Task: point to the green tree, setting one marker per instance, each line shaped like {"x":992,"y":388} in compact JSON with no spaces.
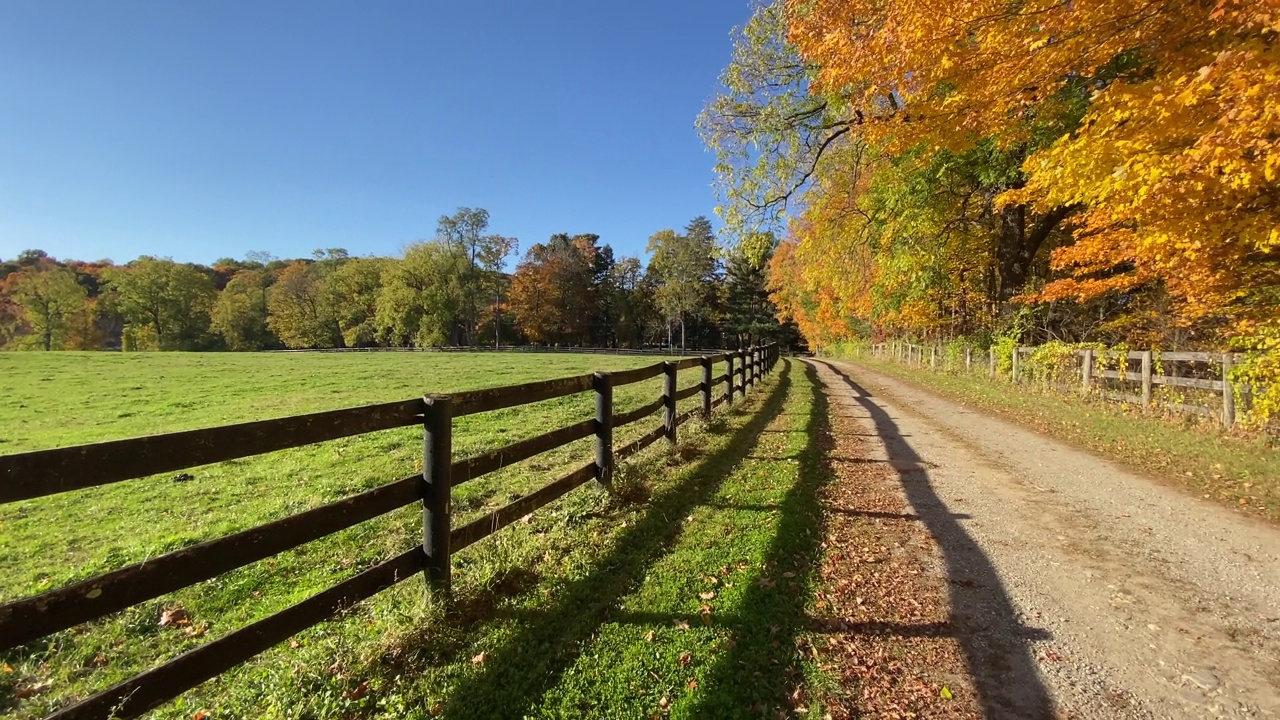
{"x":682,"y":267}
{"x":50,"y":299}
{"x":240,"y":312}
{"x":421,"y":298}
{"x":165,"y":305}
{"x":484,"y":254}
{"x":750,"y":316}
{"x":350,"y":294}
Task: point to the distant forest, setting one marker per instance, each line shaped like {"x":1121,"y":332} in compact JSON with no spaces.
{"x":452,"y":290}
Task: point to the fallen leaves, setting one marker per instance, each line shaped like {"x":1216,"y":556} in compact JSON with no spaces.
{"x":173,"y":616}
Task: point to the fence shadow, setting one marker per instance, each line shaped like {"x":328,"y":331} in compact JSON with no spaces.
{"x":534,"y":657}
{"x":758,"y":674}
{"x":996,"y":646}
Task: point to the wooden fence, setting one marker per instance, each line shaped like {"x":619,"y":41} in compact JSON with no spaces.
{"x":31,"y":475}
{"x":1151,"y":368}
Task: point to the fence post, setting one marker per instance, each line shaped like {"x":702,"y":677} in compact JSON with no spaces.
{"x":706,"y":387}
{"x":1146,"y":378}
{"x":742,"y":372}
{"x":1086,"y":369}
{"x":729,"y":374}
{"x":669,"y":400}
{"x":603,"y":383}
{"x":968,"y":359}
{"x":1228,"y":393}
{"x":991,"y":362}
{"x":755,"y":365}
{"x":437,"y":460}
{"x":933,"y":357}
{"x":1016,"y":353}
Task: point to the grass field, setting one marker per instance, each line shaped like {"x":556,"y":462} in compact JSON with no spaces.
{"x":589,"y":601}
{"x":1239,"y":470}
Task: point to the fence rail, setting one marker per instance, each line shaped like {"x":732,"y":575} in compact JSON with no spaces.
{"x":1155,"y":368}
{"x":26,"y":476}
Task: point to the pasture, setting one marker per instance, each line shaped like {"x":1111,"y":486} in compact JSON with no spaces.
{"x":394,"y":655}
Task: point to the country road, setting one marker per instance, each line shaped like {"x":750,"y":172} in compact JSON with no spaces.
{"x":1077,"y":589}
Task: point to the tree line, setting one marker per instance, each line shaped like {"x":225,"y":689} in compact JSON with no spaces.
{"x":452,"y":290}
{"x":1092,"y":171}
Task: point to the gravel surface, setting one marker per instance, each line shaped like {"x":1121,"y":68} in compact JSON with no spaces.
{"x":1077,"y":589}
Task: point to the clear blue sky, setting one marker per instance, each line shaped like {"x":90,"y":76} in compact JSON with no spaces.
{"x":199,"y":130}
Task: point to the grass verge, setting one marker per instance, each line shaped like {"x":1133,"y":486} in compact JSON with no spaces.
{"x":592,"y":606}
{"x":1239,"y":471}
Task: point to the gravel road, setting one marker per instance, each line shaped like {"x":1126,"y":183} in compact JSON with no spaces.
{"x":1077,"y":589}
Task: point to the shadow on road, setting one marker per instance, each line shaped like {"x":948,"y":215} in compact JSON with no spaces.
{"x":996,"y":645}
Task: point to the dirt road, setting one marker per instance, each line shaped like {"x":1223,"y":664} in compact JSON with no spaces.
{"x":1077,"y":589}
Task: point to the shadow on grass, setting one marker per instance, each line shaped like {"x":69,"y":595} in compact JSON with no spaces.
{"x":516,"y":675}
{"x":996,"y":646}
{"x":762,"y":669}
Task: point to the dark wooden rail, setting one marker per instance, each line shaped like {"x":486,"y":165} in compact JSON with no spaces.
{"x":31,"y":475}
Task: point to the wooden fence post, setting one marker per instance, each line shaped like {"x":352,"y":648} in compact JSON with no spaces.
{"x":933,"y":357}
{"x":603,"y":383}
{"x":991,"y":362}
{"x":1228,"y":393}
{"x":669,"y":400}
{"x":1146,"y":377}
{"x":706,"y":387}
{"x":1015,"y":362}
{"x":1086,"y":369}
{"x":755,"y":365}
{"x":742,"y":373}
{"x":729,"y":374}
{"x":437,"y":461}
{"x":968,"y":359}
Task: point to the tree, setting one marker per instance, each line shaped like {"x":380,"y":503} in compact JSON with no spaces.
{"x":553,"y":293}
{"x":682,"y":266}
{"x":421,"y":299}
{"x":240,"y":313}
{"x":750,"y":315}
{"x":485,"y":255}
{"x":349,"y":294}
{"x":165,"y":305}
{"x":297,"y":312}
{"x":49,"y":299}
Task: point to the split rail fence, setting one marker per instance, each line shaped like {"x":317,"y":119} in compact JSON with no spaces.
{"x":26,"y":476}
{"x":1136,"y":373}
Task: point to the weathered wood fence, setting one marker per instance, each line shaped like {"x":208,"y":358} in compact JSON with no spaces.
{"x":31,"y":475}
{"x":1136,"y":372}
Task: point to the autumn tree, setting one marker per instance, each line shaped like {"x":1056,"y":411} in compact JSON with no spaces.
{"x":553,"y":293}
{"x":297,"y":312}
{"x":165,"y":305}
{"x":49,"y":299}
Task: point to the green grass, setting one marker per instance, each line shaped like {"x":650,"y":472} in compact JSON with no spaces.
{"x":1241,"y":471}
{"x":558,"y":605}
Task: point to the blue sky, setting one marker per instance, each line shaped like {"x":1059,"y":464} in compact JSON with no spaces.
{"x":200,"y":130}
